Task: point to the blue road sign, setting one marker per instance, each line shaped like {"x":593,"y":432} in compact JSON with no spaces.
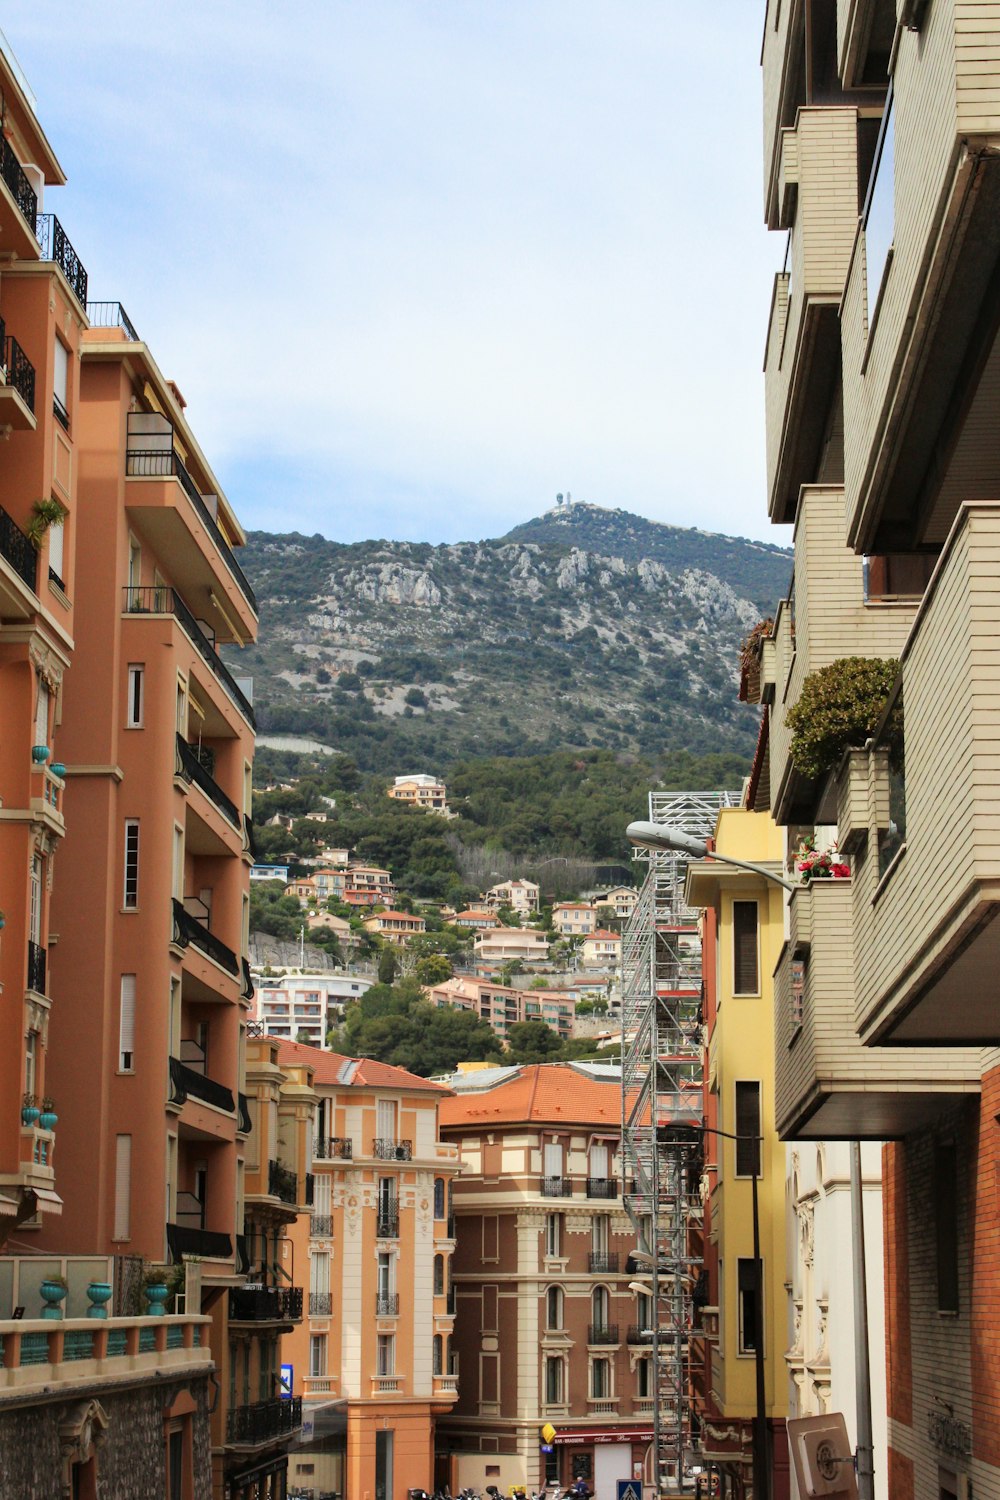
{"x":285,"y":1387}
{"x":629,"y":1489}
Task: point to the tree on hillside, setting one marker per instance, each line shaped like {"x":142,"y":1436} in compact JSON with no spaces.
{"x":388,"y":965}
{"x":533,"y":1042}
{"x":395,"y":1024}
{"x":434,"y":969}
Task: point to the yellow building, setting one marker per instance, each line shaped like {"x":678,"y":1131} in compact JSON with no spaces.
{"x":742,"y":940}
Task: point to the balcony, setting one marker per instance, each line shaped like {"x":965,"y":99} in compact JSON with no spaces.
{"x":191,"y":769}
{"x":244,"y":1124}
{"x":827,"y":1085}
{"x":265,"y":1304}
{"x":36,"y":968}
{"x":247,"y":992}
{"x":17,"y":551}
{"x":56,"y":246}
{"x":320,"y":1304}
{"x":556,"y":1187}
{"x":187,"y":930}
{"x":159,"y":600}
{"x":44,"y":1355}
{"x":602,"y":1333}
{"x":249,"y":841}
{"x":387,"y":1222}
{"x":637,"y":1335}
{"x":187,"y":1083}
{"x":263,"y":1422}
{"x":386,"y":1304}
{"x":389,"y":1150}
{"x":818,"y":205}
{"x":17,"y":391}
{"x":602,"y":1187}
{"x":326,"y":1148}
{"x":208,"y":1244}
{"x":320,"y":1226}
{"x":112,"y":315}
{"x":603,"y":1262}
{"x":282,"y":1182}
{"x":18,"y":184}
{"x":151,"y":454}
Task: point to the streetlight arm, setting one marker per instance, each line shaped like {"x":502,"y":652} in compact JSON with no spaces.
{"x":660,"y":838}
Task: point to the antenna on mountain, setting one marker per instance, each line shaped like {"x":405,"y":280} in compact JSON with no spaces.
{"x":569,"y":498}
{"x":559,"y":499}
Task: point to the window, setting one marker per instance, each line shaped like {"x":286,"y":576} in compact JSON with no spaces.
{"x":131,"y":894}
{"x":599,"y":1162}
{"x":439,"y":1275}
{"x":385,"y":1265}
{"x":553,"y":1160}
{"x":126,"y":1025}
{"x":385,"y":1125}
{"x":554,"y":1307}
{"x":30,"y":1061}
{"x":748,"y":1128}
{"x":599,"y":1306}
{"x":553,"y":1381}
{"x":553,"y":1237}
{"x":643,"y":1378}
{"x":386,"y":1354}
{"x":600,"y":1379}
{"x":42,"y":714}
{"x":60,"y":382}
{"x":133,"y":711}
{"x":175,"y":1462}
{"x":317,"y":1356}
{"x":35,"y":897}
{"x":745,"y":975}
{"x":438,"y":1354}
{"x":644,"y":1312}
{"x":880,"y":210}
{"x":746,"y":1289}
{"x":57,"y":540}
{"x":599,"y":1234}
{"x":123,"y":1187}
{"x":439,"y":1198}
{"x":946,"y":1224}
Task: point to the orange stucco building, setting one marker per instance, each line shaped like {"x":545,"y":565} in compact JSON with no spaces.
{"x":372,"y":1359}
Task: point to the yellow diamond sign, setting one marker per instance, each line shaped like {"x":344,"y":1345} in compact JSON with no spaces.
{"x":548,"y":1432}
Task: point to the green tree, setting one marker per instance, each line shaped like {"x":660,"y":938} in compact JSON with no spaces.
{"x":388,"y":965}
{"x":434,"y":969}
{"x":532,"y":1042}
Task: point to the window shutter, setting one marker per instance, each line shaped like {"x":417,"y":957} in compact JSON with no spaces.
{"x":123,"y":1187}
{"x":745,"y":978}
{"x":126,"y":1029}
{"x":748,"y":1126}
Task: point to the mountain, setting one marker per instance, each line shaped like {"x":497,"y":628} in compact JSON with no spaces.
{"x":584,"y":627}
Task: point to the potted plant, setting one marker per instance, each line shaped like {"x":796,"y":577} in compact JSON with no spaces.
{"x":58,"y":769}
{"x":156,"y":1288}
{"x":840,"y":707}
{"x":40,"y":754}
{"x":99,"y":1295}
{"x":29,"y":1110}
{"x":816,"y":864}
{"x":44,"y":513}
{"x":53,"y":1290}
{"x":48,"y":1119}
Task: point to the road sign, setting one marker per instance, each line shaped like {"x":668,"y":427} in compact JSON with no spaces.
{"x":285,"y":1387}
{"x":629,"y":1489}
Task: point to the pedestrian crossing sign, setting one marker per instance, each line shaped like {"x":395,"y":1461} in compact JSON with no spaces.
{"x":629,"y":1489}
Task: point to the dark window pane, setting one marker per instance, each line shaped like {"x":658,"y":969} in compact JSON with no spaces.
{"x":745,"y":979}
{"x":748,"y":1127}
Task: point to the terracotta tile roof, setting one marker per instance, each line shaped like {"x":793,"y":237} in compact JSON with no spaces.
{"x":549,"y":1092}
{"x":603,"y":936}
{"x":353,"y":1072}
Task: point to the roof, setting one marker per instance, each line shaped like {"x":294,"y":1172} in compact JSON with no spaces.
{"x":352,"y":1072}
{"x":604,"y":936}
{"x":572,"y":906}
{"x":401,"y":916}
{"x":547,"y":1092}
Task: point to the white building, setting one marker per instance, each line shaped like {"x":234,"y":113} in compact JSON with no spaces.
{"x":305,"y":1005}
{"x":520,"y":895}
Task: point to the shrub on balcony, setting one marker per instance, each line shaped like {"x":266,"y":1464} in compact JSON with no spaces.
{"x":840,"y":707}
{"x":750,"y":655}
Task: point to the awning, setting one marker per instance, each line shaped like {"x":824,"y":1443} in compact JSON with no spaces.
{"x":581,"y":1436}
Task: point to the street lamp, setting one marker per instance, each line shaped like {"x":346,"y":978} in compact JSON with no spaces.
{"x":660,"y":838}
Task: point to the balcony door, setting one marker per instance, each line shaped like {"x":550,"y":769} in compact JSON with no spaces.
{"x":553,"y":1158}
{"x":386,"y":1112}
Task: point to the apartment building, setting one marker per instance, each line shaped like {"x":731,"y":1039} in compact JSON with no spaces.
{"x":421,"y":791}
{"x":881,"y":129}
{"x":503,"y":1006}
{"x":305,"y":1006}
{"x":396,"y":927}
{"x":621,"y":899}
{"x":520,"y":895}
{"x":474,"y":920}
{"x":504,"y":944}
{"x":367,"y":885}
{"x":574,"y":918}
{"x":372,"y":1361}
{"x":546,"y":1327}
{"x":601,"y":949}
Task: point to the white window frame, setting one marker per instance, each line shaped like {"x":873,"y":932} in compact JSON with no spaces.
{"x":553,"y":1236}
{"x":136,"y":699}
{"x":126,"y":1025}
{"x":131,"y":860}
{"x":317,"y":1356}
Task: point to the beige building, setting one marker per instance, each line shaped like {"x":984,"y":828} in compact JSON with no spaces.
{"x":520,"y":895}
{"x":503,"y":1006}
{"x":424,"y":792}
{"x":396,"y":927}
{"x":574,"y":918}
{"x":602,"y":950}
{"x":505,"y":944}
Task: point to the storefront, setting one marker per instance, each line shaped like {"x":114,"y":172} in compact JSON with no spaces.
{"x":599,"y":1456}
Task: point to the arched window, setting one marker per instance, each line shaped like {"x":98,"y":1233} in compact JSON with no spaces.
{"x":553,"y":1381}
{"x":439,"y":1198}
{"x":439,"y":1275}
{"x":438,"y":1354}
{"x":554,"y":1307}
{"x":599,"y":1306}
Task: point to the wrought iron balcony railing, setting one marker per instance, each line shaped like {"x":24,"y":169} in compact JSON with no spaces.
{"x":36,"y":967}
{"x":637,"y":1335}
{"x":388,"y":1150}
{"x":282,"y":1182}
{"x":330,"y":1146}
{"x":602,"y":1187}
{"x":310,"y":1189}
{"x":157,"y":599}
{"x":187,"y":1083}
{"x":386,"y":1304}
{"x":20,"y":371}
{"x":263,"y":1421}
{"x":603,"y":1261}
{"x":387,"y":1225}
{"x":112,"y":315}
{"x":16,"y":179}
{"x":188,"y":930}
{"x":265,"y":1304}
{"x":248,"y":990}
{"x":191,"y":768}
{"x":17,"y":550}
{"x":602,"y":1333}
{"x":165,"y":463}
{"x":183,"y":1240}
{"x":321,"y":1226}
{"x":320,"y":1304}
{"x":242,"y":1255}
{"x":557,"y":1187}
{"x":249,"y":841}
{"x":56,"y":246}
{"x":244,"y":1123}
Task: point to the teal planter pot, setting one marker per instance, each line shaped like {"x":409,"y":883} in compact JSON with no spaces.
{"x":30,"y":1115}
{"x":58,"y":769}
{"x":156,"y":1300}
{"x":53,"y":1295}
{"x":40,"y":754}
{"x":99,"y":1294}
{"x":49,"y":1120}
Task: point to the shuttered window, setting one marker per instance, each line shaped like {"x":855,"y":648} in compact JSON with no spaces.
{"x":746,"y":979}
{"x":123,"y":1187}
{"x":136,"y":675}
{"x":746,"y":1287}
{"x":126,"y":1025}
{"x":748,"y":1128}
{"x":131,"y":894}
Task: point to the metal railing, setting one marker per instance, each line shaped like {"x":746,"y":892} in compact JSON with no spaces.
{"x":387,"y":1225}
{"x":326,"y":1148}
{"x":282,"y":1182}
{"x":164,"y":463}
{"x":321,"y":1226}
{"x":263,"y":1420}
{"x":602,"y":1187}
{"x":602,"y":1261}
{"x":242,"y":1252}
{"x":249,"y":842}
{"x":244,"y":1124}
{"x":191,"y":768}
{"x":602,"y":1333}
{"x":112,"y":315}
{"x":59,"y":412}
{"x":16,"y":179}
{"x":56,"y":246}
{"x":18,"y":551}
{"x":188,"y":930}
{"x":187,"y":1082}
{"x":386,"y":1304}
{"x":557,"y":1187}
{"x":183,"y":1239}
{"x":157,"y":599}
{"x":310,"y":1189}
{"x":248,"y":990}
{"x":320,"y":1304}
{"x":20,"y":371}
{"x":637,"y":1335}
{"x":36,"y":967}
{"x":265,"y":1304}
{"x":388,"y":1150}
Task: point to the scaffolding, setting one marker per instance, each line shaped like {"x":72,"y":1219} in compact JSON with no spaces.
{"x":662,"y":1119}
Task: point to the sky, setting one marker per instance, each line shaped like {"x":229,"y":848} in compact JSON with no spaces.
{"x":418,"y":266}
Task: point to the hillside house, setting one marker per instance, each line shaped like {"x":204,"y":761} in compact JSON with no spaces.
{"x":502,"y":1006}
{"x":505,"y":944}
{"x":602,"y":949}
{"x":475,"y":920}
{"x":574,"y":918}
{"x":396,"y":927}
{"x":424,"y":792}
{"x":520,"y":895}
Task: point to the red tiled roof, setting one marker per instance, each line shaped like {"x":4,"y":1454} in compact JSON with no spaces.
{"x":550,"y":1092}
{"x":352,"y":1072}
{"x":600,"y":933}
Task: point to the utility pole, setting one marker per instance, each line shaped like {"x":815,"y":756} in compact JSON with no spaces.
{"x":862,"y":1374}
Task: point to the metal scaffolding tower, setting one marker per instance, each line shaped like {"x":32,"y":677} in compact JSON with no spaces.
{"x":662,"y":1116}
